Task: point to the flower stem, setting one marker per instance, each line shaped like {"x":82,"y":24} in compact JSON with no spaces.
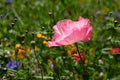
{"x":38,"y":64}
{"x":33,"y":45}
{"x":81,"y":61}
{"x":79,"y":53}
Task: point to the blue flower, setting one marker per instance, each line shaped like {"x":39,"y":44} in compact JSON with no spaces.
{"x":117,"y":14}
{"x":9,"y":1}
{"x":13,"y":64}
{"x":2,"y":17}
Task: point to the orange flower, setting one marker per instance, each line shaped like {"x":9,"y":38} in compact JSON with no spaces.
{"x":20,"y":52}
{"x":20,"y":56}
{"x":72,"y":52}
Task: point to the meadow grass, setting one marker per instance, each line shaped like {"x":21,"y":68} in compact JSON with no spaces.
{"x":27,"y":25}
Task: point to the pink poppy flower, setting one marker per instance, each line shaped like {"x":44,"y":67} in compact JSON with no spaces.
{"x":67,"y":32}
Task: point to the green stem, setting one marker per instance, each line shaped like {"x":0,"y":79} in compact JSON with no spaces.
{"x":81,"y":61}
{"x":38,"y":64}
{"x":37,"y":58}
{"x":79,"y":52}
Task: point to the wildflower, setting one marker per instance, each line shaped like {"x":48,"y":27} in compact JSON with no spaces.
{"x":45,"y":42}
{"x":68,"y":32}
{"x":9,"y":1}
{"x":117,"y":14}
{"x":13,"y":56}
{"x":13,"y":64}
{"x":115,"y":50}
{"x":73,"y":53}
{"x":2,"y":17}
{"x":101,"y":74}
{"x":18,"y":46}
{"x":41,"y":36}
{"x":23,"y":52}
{"x":20,"y":52}
{"x":78,"y":59}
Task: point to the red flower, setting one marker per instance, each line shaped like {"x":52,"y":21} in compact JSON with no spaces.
{"x":114,"y":50}
{"x":78,"y":59}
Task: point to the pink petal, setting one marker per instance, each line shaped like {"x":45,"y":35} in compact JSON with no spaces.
{"x":67,"y":32}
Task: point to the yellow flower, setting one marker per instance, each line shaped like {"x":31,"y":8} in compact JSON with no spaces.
{"x":20,"y":56}
{"x":17,"y":46}
{"x":44,"y":37}
{"x":13,"y":56}
{"x":39,"y":35}
{"x":45,"y":42}
{"x":27,"y":49}
{"x":20,"y":53}
{"x":72,"y":52}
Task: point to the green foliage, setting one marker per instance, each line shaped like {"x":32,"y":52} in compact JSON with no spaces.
{"x":22,"y":20}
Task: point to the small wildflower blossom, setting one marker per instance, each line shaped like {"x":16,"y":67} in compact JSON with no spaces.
{"x":44,"y":37}
{"x":13,"y":56}
{"x":73,"y":53}
{"x":41,"y":36}
{"x":78,"y":59}
{"x":45,"y":42}
{"x":13,"y":64}
{"x":115,"y":50}
{"x":20,"y":52}
{"x":2,"y":17}
{"x":101,"y":73}
{"x":23,"y":52}
{"x":17,"y":46}
{"x":117,"y":14}
{"x":9,"y":1}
